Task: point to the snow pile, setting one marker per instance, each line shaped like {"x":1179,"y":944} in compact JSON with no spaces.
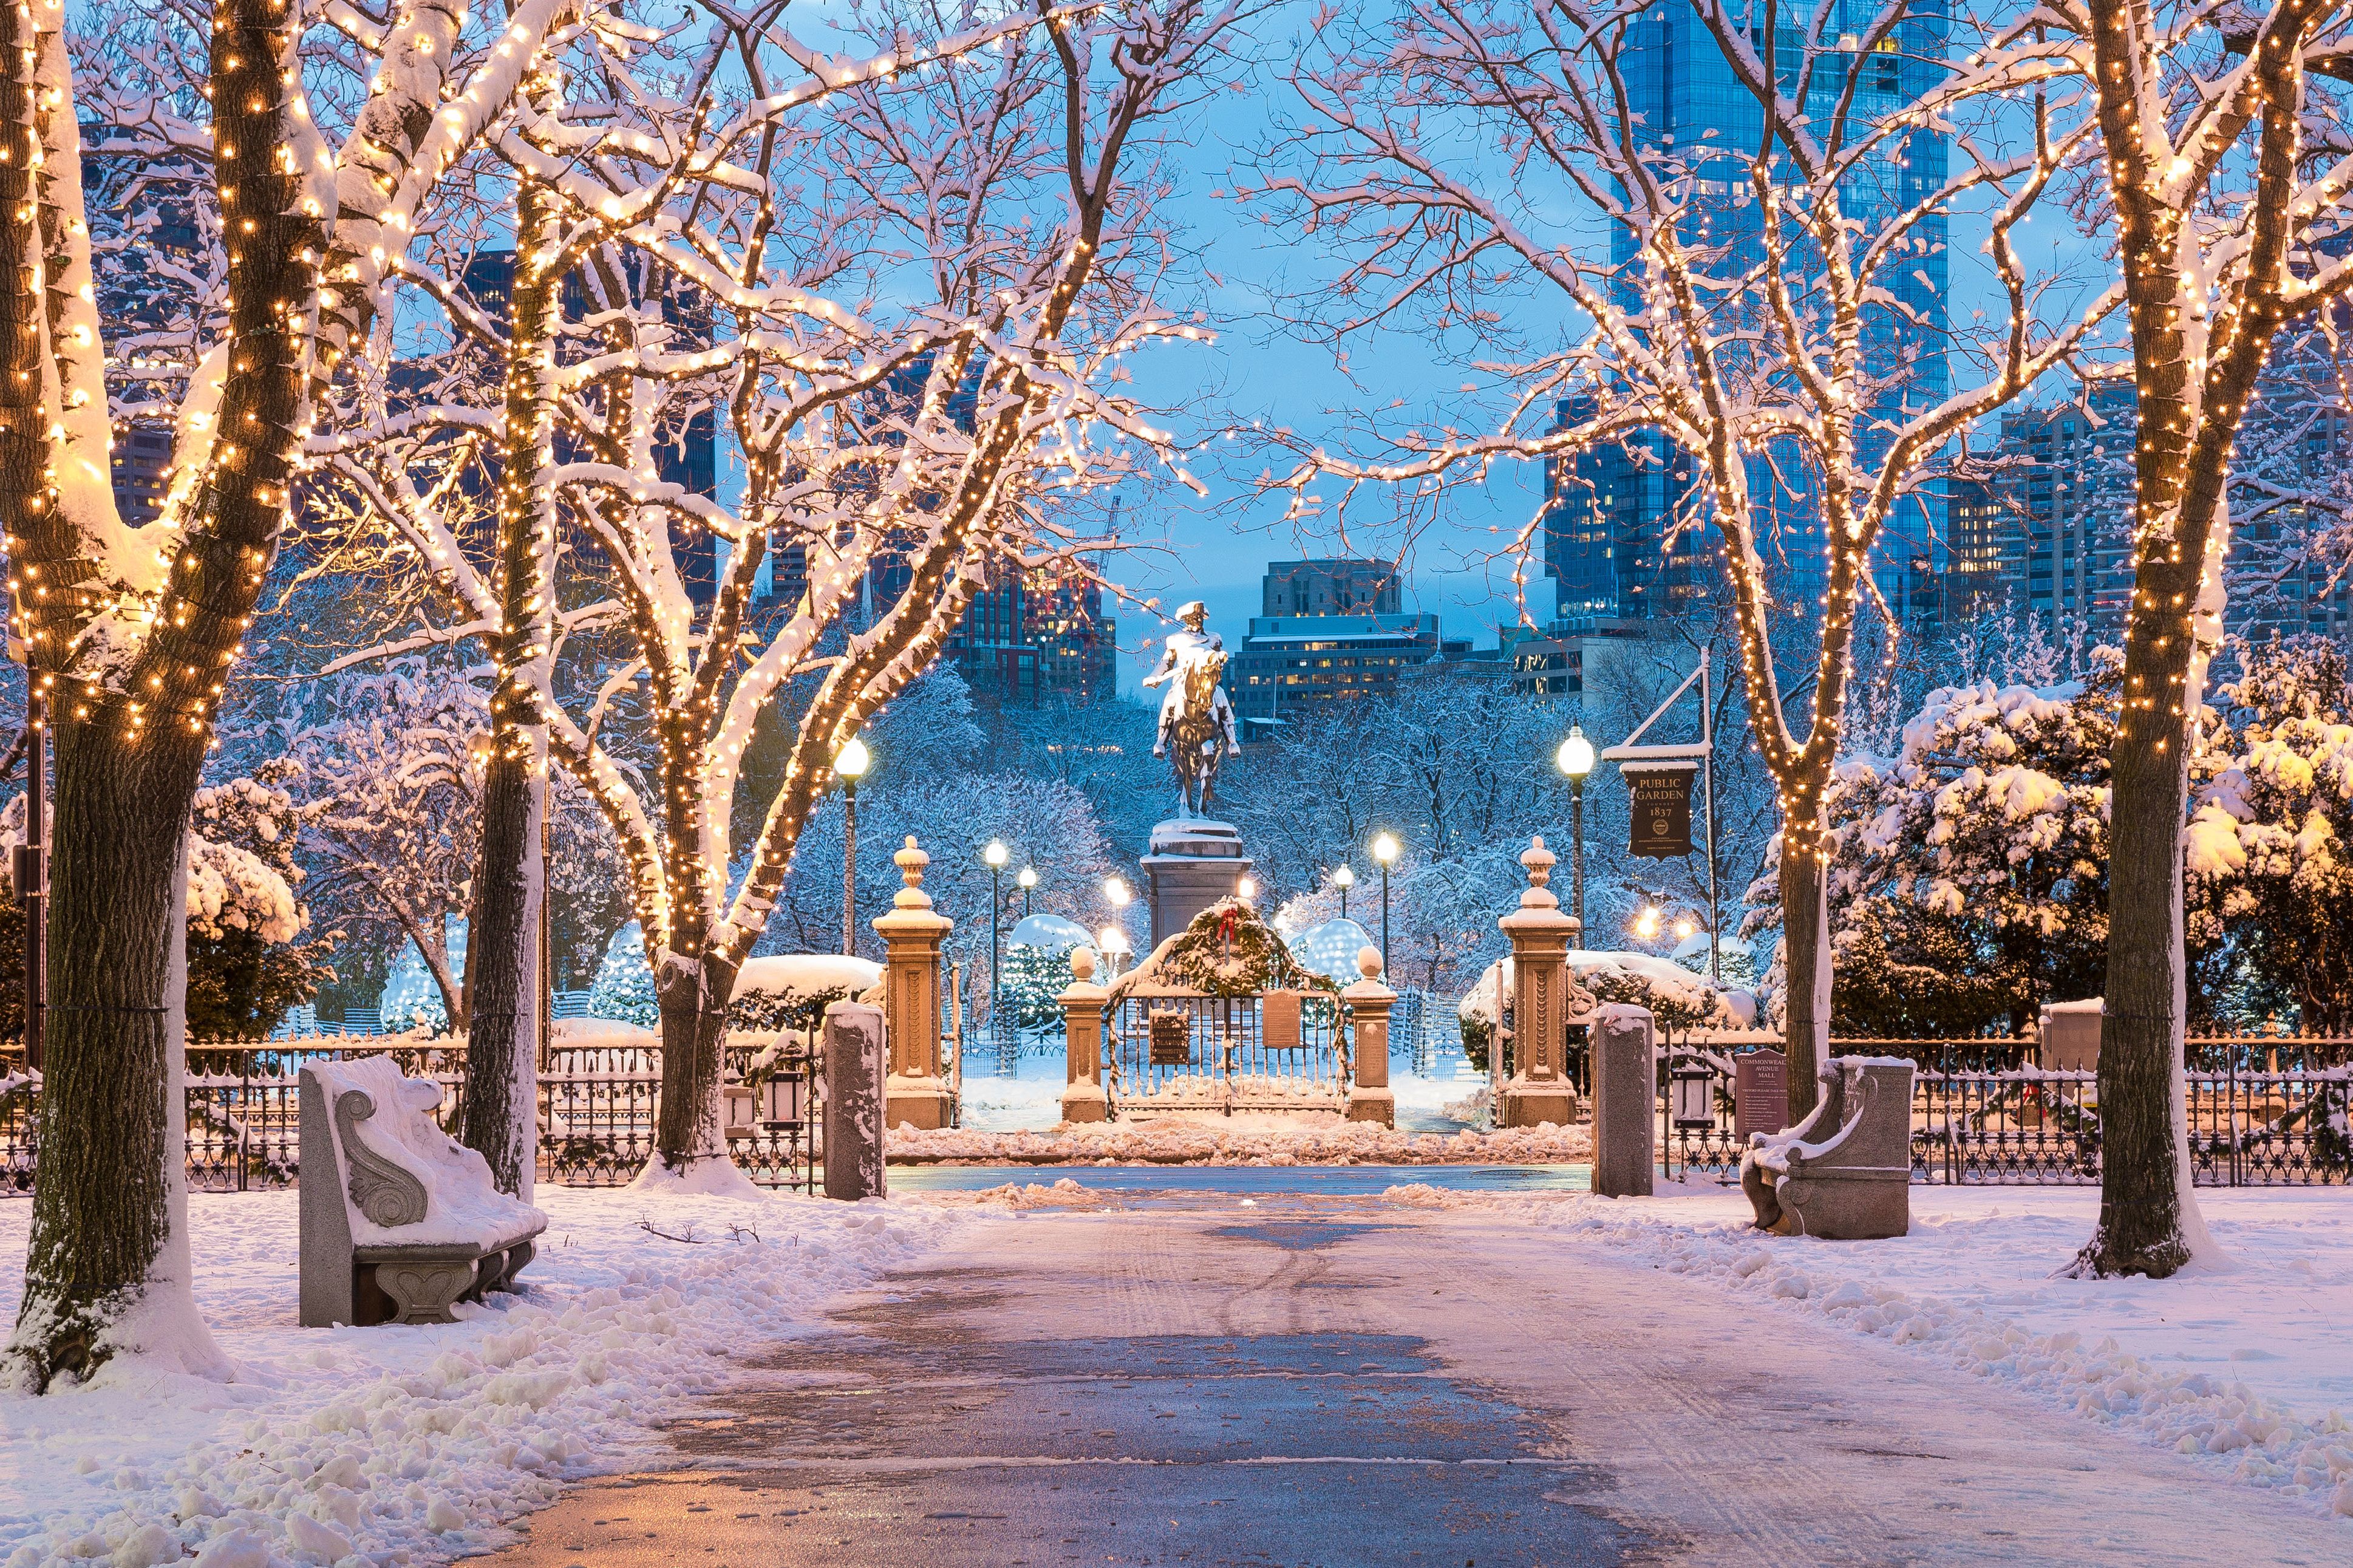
{"x":1210,"y":1139}
{"x":417,"y":1443}
{"x":1065,"y":1193}
{"x":2244,"y":1368}
{"x":1676,"y":996}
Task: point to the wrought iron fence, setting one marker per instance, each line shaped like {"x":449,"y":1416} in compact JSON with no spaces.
{"x":2264,"y":1109}
{"x":599,"y":1105}
{"x":1218,"y":1053}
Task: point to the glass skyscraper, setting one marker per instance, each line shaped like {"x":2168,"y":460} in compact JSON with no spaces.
{"x":1626,"y":530}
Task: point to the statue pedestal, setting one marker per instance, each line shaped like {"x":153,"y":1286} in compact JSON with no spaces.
{"x":1192,"y":864}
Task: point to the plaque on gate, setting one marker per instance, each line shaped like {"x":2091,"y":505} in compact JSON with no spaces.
{"x":1760,"y":1094}
{"x":1172,"y":1040}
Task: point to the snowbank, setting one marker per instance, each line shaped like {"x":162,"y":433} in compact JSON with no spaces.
{"x":2246,"y":1370}
{"x":417,"y":1443}
{"x":805,"y":974}
{"x":1210,"y":1139}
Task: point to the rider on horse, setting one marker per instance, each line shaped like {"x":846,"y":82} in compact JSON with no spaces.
{"x":1173,"y":660}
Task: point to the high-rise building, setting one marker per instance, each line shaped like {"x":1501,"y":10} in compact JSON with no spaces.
{"x":1030,"y":635}
{"x":1627,"y":537}
{"x":142,"y":461}
{"x":1332,"y":632}
{"x":686,"y":455}
{"x":1329,"y":588}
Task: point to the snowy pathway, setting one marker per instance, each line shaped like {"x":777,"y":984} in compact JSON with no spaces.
{"x":1356,"y":1381}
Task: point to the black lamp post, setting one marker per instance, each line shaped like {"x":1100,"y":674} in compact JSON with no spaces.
{"x":1028,"y":879}
{"x":1385,"y":849}
{"x":1344,"y":879}
{"x":850,"y":763}
{"x":1576,"y":760}
{"x":996,"y":856}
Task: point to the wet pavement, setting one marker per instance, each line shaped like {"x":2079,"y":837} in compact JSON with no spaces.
{"x":1249,"y":1181}
{"x":1323,"y":1381}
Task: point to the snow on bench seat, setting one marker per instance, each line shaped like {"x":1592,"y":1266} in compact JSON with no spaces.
{"x":399,"y":1220}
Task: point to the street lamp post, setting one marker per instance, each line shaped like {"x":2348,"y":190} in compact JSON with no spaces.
{"x":1028,"y":879}
{"x":996,"y":857}
{"x":1116,"y":894}
{"x":850,"y":762}
{"x":1577,"y":760}
{"x":1345,"y":879}
{"x":1385,"y":849}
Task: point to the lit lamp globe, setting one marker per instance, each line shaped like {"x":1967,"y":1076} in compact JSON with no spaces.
{"x":1028,"y":878}
{"x":1246,"y":888}
{"x":996,"y":854}
{"x":1385,"y":849}
{"x":1343,"y":877}
{"x":1646,"y":924}
{"x":1116,"y":892}
{"x":852,"y":760}
{"x":1576,"y":756}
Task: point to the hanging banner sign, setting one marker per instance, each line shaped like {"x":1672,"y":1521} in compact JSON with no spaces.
{"x":1662,"y":810}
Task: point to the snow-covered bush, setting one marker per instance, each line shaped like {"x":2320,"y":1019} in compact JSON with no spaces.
{"x":247,"y":962}
{"x":2268,"y":848}
{"x":1969,"y":876}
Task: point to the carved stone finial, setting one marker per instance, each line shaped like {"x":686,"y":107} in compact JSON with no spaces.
{"x":385,"y":1192}
{"x":1082,"y":964}
{"x":911,"y":862}
{"x":1369,"y":961}
{"x":1539,"y":862}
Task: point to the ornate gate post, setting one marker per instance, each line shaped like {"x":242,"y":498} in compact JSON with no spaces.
{"x":1083,"y":1098}
{"x":1369,"y":1096}
{"x":911,"y":935}
{"x":1541,"y":936}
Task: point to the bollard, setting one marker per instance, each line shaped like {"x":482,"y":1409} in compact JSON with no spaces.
{"x":853,"y":1101}
{"x":1625,"y":1101}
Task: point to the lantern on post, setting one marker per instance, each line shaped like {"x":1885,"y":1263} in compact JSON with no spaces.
{"x":1691,"y":1094}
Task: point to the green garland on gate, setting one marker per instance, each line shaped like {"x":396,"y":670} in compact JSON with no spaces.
{"x":1226,"y":952}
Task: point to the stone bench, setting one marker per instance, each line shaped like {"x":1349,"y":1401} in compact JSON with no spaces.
{"x":399,"y":1220}
{"x":1844,"y":1173}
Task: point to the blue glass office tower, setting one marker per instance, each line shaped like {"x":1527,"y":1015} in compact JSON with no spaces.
{"x":1626,"y":531}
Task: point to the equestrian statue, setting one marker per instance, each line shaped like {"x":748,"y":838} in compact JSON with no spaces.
{"x":1197,"y":717}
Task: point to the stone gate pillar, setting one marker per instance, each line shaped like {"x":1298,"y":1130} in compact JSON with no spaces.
{"x":1369,"y":1096}
{"x":1541,"y":936}
{"x":1083,"y":1097}
{"x":911,"y":933}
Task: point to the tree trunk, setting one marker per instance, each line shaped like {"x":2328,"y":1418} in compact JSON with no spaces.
{"x":107,"y":1267}
{"x":1805,"y":938}
{"x":694,"y":996}
{"x":502,"y":948}
{"x":2145,"y":1220}
{"x":502,"y":1111}
{"x":108,"y":1260}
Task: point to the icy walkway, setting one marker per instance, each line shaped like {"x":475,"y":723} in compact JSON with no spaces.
{"x":1416,"y":1378}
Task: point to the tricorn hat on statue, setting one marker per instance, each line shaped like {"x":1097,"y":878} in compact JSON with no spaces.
{"x":1192,"y":607}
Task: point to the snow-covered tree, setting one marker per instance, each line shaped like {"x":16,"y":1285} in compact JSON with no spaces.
{"x":1968,"y":880}
{"x":923,"y":384}
{"x":132,"y":632}
{"x":1747,"y":303}
{"x":2224,"y":179}
{"x":2269,"y":847}
{"x":389,"y":774}
{"x":249,"y":958}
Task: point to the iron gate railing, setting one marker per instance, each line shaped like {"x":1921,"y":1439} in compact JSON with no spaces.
{"x":1214,"y":1052}
{"x":598,"y":1109}
{"x":2264,"y":1109}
